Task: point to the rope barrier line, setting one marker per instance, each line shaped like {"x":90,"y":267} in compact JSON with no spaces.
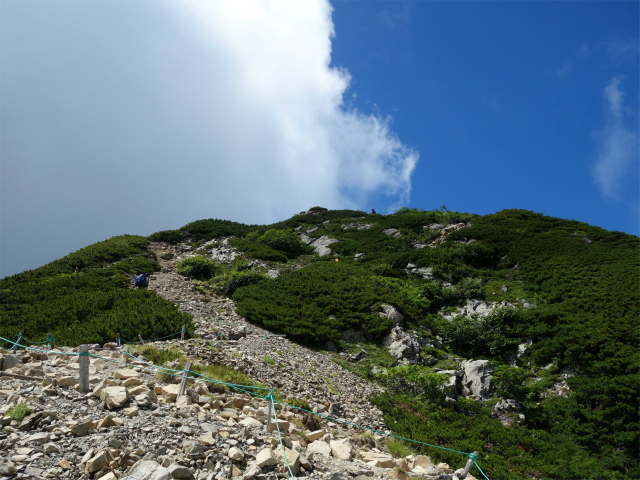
{"x":373,"y":430}
{"x":268,"y":397}
{"x":271,"y":399}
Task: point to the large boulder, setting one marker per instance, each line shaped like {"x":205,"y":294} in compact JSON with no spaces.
{"x":321,"y":245}
{"x":476,"y":380}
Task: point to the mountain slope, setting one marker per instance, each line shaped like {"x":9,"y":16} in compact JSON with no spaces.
{"x":552,"y":304}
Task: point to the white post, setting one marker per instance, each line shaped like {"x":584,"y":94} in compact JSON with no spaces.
{"x":467,"y":467}
{"x":269,"y":413}
{"x":183,"y":382}
{"x":182,"y":334}
{"x":84,"y":368}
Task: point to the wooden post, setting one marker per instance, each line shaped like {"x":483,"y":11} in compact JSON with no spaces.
{"x":15,"y":347}
{"x":245,"y":332}
{"x":118,"y":339}
{"x":183,"y":382}
{"x":269,"y":413}
{"x":84,"y":368}
{"x":182,"y":334}
{"x":467,"y":467}
{"x":140,"y":337}
{"x":51,"y":341}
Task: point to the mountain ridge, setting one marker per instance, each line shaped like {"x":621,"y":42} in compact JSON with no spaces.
{"x":569,"y":274}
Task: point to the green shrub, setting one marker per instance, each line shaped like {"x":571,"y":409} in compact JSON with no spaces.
{"x":236,"y":279}
{"x":90,"y":304}
{"x":319,"y":302}
{"x":197,"y":267}
{"x":259,"y":251}
{"x":285,"y":241}
{"x":481,"y":337}
{"x":214,"y":228}
{"x":168,"y":236}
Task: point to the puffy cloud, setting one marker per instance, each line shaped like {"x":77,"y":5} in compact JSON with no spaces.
{"x":132,"y":117}
{"x":618,"y":144}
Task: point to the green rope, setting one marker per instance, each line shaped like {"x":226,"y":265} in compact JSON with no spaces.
{"x":37,"y":349}
{"x":375,"y":431}
{"x":271,"y":399}
{"x":36,"y":343}
{"x":478,"y":467}
{"x":152,"y":340}
{"x":242,"y":388}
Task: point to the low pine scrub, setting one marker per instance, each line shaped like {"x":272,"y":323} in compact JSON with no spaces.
{"x":319,"y":302}
{"x":85,"y":298}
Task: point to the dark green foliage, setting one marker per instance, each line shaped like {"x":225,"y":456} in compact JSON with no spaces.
{"x":285,"y":241}
{"x":197,"y":267}
{"x":259,"y":251}
{"x":583,"y":283}
{"x":169,"y":236}
{"x":210,"y":229}
{"x":481,"y":337}
{"x":92,"y":304}
{"x":514,"y":453}
{"x":239,"y":278}
{"x":319,"y":302}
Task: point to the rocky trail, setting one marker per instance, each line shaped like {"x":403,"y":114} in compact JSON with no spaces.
{"x":132,"y":425}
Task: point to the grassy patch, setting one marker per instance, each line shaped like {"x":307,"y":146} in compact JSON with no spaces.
{"x":18,"y":412}
{"x":268,"y":360}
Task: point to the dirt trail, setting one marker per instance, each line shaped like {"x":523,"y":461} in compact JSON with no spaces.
{"x":297,"y":371}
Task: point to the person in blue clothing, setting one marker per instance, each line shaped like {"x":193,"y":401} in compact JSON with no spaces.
{"x":142,"y":280}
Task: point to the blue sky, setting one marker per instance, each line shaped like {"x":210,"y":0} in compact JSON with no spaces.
{"x":508,"y":103}
{"x":133,"y":117}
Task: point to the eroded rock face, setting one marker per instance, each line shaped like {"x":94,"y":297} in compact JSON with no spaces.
{"x":476,"y":382}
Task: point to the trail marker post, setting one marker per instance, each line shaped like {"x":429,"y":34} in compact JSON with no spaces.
{"x":270,"y":397}
{"x":467,"y":467}
{"x":182,"y":334}
{"x":15,"y":346}
{"x":84,"y":368}
{"x":183,"y":382}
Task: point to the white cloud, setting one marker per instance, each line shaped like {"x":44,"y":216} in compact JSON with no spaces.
{"x":225,"y":109}
{"x":618,"y":144}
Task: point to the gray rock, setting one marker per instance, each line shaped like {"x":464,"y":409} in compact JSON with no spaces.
{"x":148,"y":470}
{"x":477,"y":377}
{"x":180,"y":471}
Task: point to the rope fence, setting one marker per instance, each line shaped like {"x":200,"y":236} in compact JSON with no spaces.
{"x":187,"y":372}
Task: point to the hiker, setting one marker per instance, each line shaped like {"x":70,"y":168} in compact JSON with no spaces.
{"x":373,"y":211}
{"x":142,"y":280}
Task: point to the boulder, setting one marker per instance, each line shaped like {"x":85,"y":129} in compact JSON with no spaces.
{"x":96,"y":463}
{"x":125,"y":374}
{"x":176,"y":470}
{"x":313,"y":436}
{"x":293,"y":459}
{"x":341,"y":449}
{"x":82,"y":429}
{"x":266,"y":457}
{"x":114,"y":397}
{"x":476,"y":381}
{"x":380,"y":460}
{"x":320,"y":447}
{"x":10,"y":361}
{"x":169,"y":391}
{"x":235,"y":454}
{"x":148,"y":470}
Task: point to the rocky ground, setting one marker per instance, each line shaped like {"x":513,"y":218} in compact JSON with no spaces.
{"x":131,"y":425}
